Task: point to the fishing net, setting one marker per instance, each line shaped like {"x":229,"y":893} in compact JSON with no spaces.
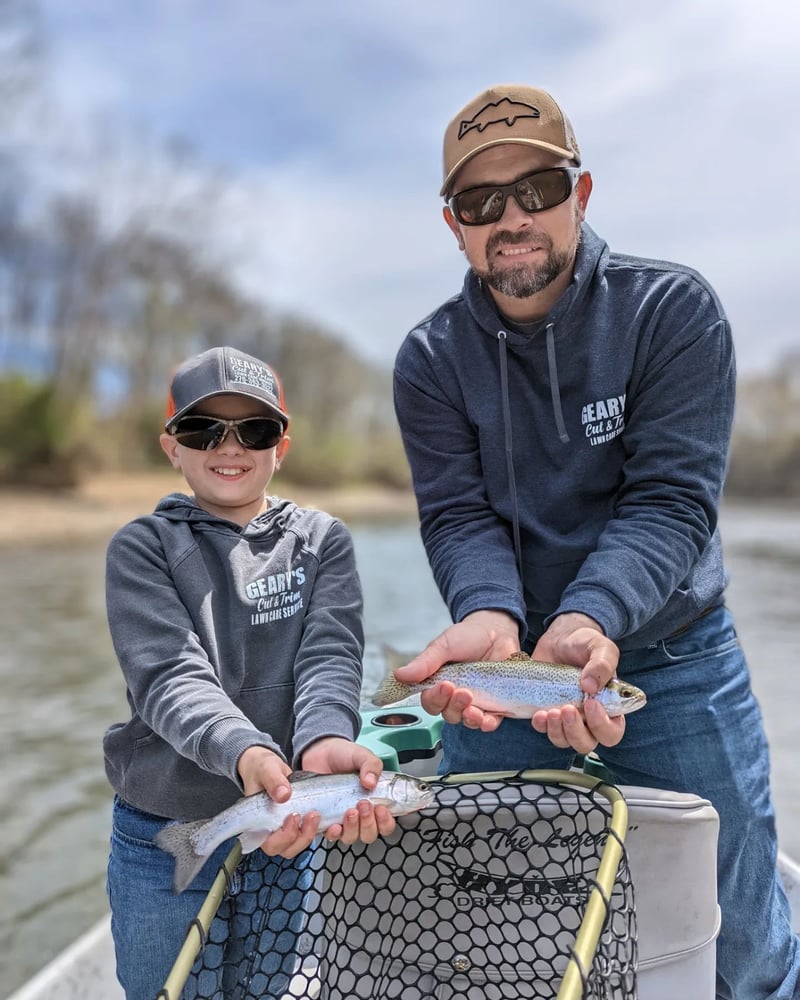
{"x":510,"y":886}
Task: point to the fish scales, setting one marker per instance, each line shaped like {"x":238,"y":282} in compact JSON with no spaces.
{"x":517,"y":687}
{"x":253,"y":817}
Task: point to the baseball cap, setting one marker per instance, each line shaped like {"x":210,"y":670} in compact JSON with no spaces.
{"x":507,"y":112}
{"x":223,"y":371}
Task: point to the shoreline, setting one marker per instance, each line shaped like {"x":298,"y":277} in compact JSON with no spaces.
{"x":94,"y":510}
{"x":97,"y":508}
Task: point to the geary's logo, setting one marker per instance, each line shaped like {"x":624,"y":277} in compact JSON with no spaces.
{"x":276,"y":596}
{"x":496,"y":113}
{"x":249,"y":373}
{"x":604,"y":419}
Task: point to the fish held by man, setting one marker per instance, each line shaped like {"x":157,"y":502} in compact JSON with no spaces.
{"x":254,"y":817}
{"x":518,"y":687}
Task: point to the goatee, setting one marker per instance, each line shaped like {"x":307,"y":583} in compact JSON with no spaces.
{"x":524,"y":280}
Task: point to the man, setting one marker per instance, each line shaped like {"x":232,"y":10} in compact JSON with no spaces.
{"x":567,"y":419}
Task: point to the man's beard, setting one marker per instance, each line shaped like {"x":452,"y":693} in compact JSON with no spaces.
{"x":525,"y":280}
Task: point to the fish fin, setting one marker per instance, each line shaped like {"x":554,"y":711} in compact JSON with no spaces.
{"x":391,"y":690}
{"x":521,"y":655}
{"x":302,"y":775}
{"x":253,"y":839}
{"x":394,"y":658}
{"x":176,"y":839}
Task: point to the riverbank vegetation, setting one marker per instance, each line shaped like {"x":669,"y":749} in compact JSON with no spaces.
{"x":344,"y":435}
{"x":98,"y":304}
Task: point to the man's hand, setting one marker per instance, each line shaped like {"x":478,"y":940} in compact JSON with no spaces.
{"x":483,"y":635}
{"x":578,"y":640}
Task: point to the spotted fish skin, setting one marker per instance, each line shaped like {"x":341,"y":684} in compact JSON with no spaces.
{"x":518,"y":687}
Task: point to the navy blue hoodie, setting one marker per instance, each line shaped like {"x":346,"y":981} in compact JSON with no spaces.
{"x":578,"y":465}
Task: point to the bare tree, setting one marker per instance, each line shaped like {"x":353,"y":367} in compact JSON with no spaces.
{"x":20,"y":57}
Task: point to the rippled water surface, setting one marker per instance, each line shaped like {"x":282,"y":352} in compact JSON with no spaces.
{"x":60,"y":688}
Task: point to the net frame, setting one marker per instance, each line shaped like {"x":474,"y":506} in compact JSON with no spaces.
{"x":599,"y":965}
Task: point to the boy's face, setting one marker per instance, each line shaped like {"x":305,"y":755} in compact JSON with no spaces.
{"x":230,"y":480}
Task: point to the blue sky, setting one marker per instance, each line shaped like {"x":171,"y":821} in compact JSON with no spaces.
{"x":327,"y":118}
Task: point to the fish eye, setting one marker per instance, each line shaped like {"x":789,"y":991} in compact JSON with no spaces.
{"x":626,"y":692}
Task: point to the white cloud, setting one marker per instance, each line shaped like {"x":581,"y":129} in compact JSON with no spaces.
{"x":332,"y":115}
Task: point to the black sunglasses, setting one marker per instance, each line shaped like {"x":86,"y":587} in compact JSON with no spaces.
{"x":205,"y":433}
{"x":534,"y":192}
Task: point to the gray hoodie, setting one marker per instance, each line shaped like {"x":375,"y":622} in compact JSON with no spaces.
{"x":228,"y":637}
{"x":576,"y":465}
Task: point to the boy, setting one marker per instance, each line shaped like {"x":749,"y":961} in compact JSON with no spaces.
{"x":236,"y":619}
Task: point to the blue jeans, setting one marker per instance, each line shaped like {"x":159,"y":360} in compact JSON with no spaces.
{"x":701,"y":732}
{"x":251,"y":949}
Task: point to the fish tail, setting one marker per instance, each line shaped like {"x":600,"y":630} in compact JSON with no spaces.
{"x":390,"y":691}
{"x":177,"y":840}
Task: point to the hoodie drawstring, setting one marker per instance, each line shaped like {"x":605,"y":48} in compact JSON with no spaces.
{"x":555,"y":392}
{"x":507,"y":440}
{"x":555,"y":396}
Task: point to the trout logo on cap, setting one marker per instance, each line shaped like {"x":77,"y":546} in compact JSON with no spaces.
{"x":505,"y":111}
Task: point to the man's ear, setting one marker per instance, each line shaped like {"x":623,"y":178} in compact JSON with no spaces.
{"x":450,"y":219}
{"x":585,"y":185}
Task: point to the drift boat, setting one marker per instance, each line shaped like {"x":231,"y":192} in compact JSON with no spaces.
{"x":671,"y":850}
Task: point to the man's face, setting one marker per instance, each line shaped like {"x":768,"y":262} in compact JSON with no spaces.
{"x":522,"y":254}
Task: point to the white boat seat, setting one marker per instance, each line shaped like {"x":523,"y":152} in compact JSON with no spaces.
{"x":672,"y":851}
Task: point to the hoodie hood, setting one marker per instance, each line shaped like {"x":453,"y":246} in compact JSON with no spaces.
{"x":178,"y":507}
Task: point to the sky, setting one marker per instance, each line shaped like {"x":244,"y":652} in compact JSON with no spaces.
{"x":327,"y":116}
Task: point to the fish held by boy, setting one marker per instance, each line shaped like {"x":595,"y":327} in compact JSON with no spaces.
{"x":518,"y":687}
{"x":254,"y":817}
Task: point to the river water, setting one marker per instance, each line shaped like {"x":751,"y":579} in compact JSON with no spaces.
{"x":61,"y":688}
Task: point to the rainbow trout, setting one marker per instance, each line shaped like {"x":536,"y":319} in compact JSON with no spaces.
{"x":254,"y":817}
{"x":518,"y":687}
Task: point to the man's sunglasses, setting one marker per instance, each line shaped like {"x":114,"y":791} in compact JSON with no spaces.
{"x":205,"y":433}
{"x":535,"y":192}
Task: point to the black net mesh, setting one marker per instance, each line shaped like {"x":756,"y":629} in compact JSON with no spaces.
{"x":479,"y":897}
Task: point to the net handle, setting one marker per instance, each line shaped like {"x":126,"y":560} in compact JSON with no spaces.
{"x":196,"y":936}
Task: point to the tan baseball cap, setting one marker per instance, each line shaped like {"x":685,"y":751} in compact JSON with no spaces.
{"x":508,"y":112}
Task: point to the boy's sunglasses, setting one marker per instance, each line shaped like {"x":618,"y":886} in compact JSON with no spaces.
{"x":206,"y":433}
{"x":535,"y":192}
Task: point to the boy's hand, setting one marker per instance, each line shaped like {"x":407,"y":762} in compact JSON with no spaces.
{"x":335,"y":755}
{"x":262,"y":770}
